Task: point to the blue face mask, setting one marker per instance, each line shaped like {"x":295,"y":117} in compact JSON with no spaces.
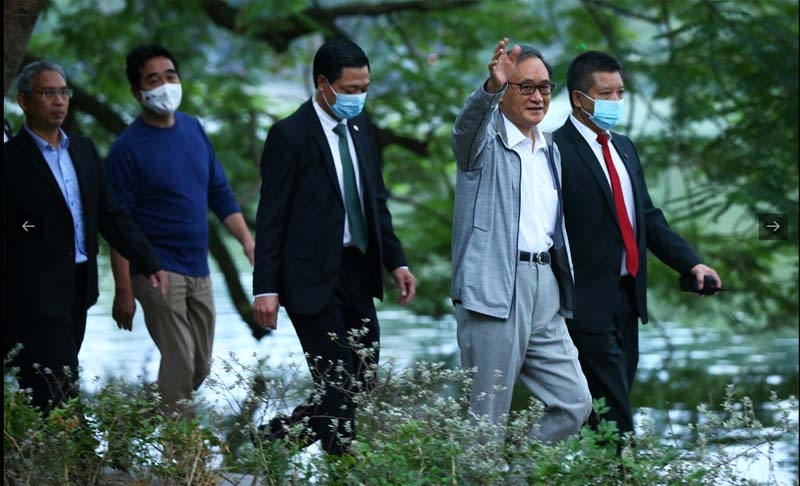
{"x":347,"y":106}
{"x":607,"y":113}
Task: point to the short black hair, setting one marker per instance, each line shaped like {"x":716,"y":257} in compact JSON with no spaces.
{"x":580,"y":74}
{"x":336,"y":54}
{"x":528,"y":52}
{"x":138,"y":57}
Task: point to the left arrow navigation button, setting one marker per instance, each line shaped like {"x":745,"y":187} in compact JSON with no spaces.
{"x":27,"y":226}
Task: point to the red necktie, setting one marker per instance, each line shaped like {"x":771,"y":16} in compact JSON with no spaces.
{"x":631,"y":250}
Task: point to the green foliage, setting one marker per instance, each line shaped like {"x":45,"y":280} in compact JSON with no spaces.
{"x":711,"y":85}
{"x":116,"y":436}
{"x":726,"y":68}
{"x":412,"y":429}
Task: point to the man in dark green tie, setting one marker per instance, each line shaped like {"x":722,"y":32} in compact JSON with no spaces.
{"x":352,"y":202}
{"x":323,"y":234}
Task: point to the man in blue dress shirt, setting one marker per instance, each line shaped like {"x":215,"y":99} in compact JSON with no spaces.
{"x":55,"y":201}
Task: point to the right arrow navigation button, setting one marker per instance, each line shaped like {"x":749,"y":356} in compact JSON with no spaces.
{"x":773,"y":226}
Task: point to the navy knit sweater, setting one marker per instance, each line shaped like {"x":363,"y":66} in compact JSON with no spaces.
{"x":168,"y":178}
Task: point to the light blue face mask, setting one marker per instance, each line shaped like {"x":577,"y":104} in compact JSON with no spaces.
{"x":347,"y":106}
{"x":607,"y":113}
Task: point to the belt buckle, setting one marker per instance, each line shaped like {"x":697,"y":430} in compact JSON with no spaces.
{"x":539,"y":258}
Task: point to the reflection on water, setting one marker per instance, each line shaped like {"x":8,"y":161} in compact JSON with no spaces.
{"x":679,"y":368}
{"x":682,"y":368}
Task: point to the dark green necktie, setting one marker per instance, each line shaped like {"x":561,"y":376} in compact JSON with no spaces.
{"x":358,"y":228}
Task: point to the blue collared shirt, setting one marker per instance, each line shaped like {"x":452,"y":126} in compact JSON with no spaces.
{"x":60,"y":163}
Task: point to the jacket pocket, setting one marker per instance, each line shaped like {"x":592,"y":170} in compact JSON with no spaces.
{"x":483,"y":209}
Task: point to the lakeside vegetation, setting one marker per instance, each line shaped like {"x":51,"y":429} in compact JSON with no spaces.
{"x":412,"y":429}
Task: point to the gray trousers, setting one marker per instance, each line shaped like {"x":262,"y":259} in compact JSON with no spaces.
{"x":182,"y":327}
{"x":532,"y":345}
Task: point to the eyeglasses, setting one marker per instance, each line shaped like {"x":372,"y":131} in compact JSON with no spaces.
{"x":51,"y":93}
{"x":527,"y":89}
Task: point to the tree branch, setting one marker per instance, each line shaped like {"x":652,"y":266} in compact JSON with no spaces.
{"x":97,"y":109}
{"x":385,"y":138}
{"x":238,"y":296}
{"x":279,"y":32}
{"x":19,"y":19}
{"x":624,"y":12}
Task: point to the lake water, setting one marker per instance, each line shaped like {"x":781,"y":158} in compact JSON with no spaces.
{"x":405,"y":338}
{"x":679,"y":367}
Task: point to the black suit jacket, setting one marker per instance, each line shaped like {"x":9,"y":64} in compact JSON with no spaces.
{"x":39,"y":264}
{"x":300,"y":220}
{"x":594,"y":235}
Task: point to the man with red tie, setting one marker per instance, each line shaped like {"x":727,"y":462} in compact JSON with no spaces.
{"x":611,"y":223}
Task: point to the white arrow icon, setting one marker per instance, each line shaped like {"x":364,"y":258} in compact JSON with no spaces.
{"x":774,"y":226}
{"x":25,"y":226}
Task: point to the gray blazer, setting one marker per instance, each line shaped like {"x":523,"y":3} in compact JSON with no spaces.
{"x":486,"y":213}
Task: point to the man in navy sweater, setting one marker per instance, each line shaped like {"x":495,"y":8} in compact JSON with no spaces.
{"x":163,"y":170}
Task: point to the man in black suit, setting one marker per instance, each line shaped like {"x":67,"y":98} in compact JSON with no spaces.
{"x":610,"y":231}
{"x":55,"y":201}
{"x":323,"y":233}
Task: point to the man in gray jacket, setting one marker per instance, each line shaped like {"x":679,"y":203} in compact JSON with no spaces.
{"x":512,"y":283}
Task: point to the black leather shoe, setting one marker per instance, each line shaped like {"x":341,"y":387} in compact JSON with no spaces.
{"x":270,"y":431}
{"x":280,"y":428}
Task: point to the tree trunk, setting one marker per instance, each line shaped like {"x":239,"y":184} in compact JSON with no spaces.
{"x":19,"y":18}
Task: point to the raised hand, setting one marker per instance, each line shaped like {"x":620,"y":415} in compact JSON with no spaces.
{"x":502,"y":66}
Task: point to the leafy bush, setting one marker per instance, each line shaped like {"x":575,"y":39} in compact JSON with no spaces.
{"x":116,"y":436}
{"x":412,"y":429}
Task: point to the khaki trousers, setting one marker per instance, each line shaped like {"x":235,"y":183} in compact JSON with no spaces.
{"x":182,"y":327}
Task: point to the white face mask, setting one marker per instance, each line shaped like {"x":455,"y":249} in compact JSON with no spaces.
{"x":163,"y":100}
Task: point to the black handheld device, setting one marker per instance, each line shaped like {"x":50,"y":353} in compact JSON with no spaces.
{"x":688,"y":283}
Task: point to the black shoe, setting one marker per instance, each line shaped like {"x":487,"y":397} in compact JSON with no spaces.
{"x":268,"y":432}
{"x":281,"y":428}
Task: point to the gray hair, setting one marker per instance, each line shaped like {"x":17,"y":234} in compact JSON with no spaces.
{"x":25,"y":78}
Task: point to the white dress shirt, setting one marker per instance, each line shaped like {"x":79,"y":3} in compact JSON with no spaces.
{"x":538,"y":206}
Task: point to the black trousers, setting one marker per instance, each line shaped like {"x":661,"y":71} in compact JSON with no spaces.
{"x":609,"y":359}
{"x":48,"y":361}
{"x":350,"y":316}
